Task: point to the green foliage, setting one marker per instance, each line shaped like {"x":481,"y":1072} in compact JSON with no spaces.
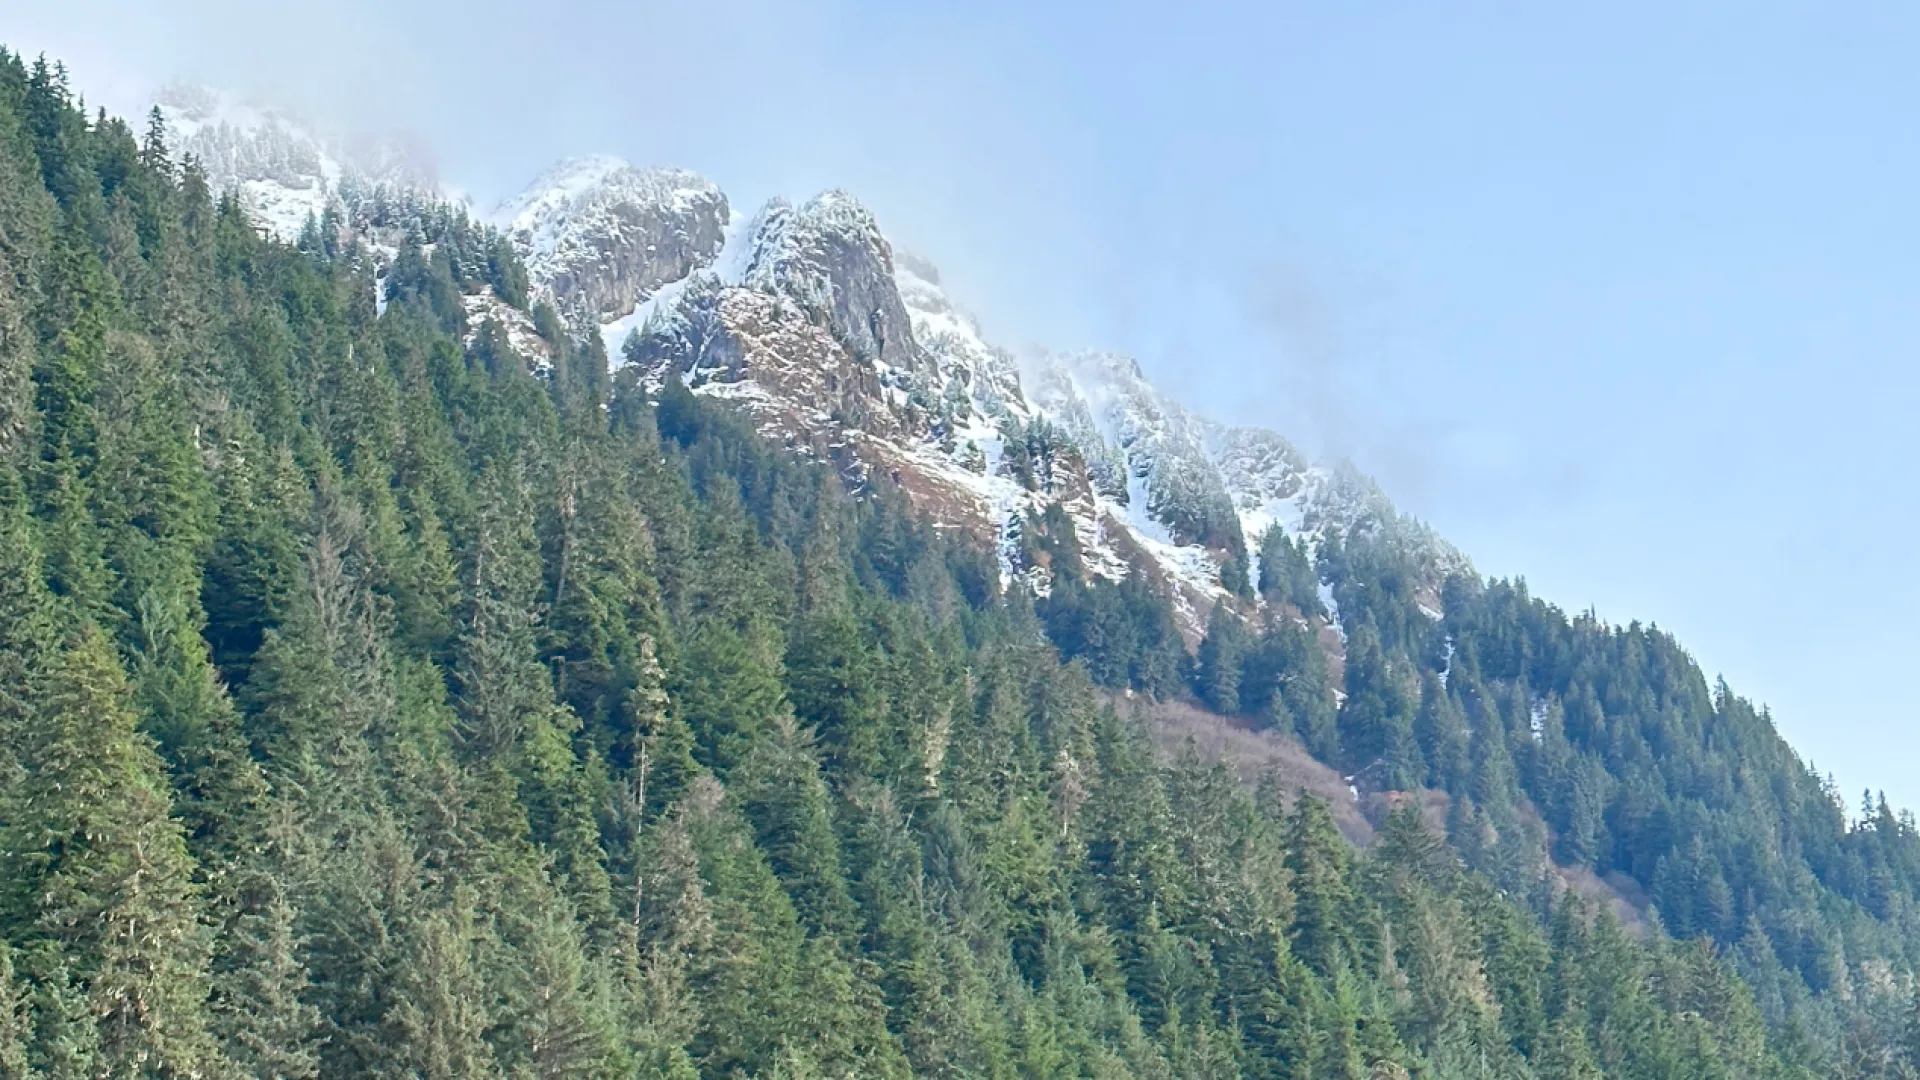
{"x":1125,"y":633}
{"x":1287,"y":574}
{"x":1223,"y":652}
{"x":102,"y":877}
{"x":373,"y":705}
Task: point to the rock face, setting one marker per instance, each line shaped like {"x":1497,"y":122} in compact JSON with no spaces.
{"x":829,"y":256}
{"x":807,"y":319}
{"x":599,"y":236}
{"x":1166,"y":474}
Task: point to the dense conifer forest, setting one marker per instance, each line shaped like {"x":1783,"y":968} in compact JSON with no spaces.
{"x":373,"y":704}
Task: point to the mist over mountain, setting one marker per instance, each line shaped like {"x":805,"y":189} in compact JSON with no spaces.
{"x":800,"y":314}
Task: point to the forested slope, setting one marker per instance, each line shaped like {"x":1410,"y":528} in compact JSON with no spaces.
{"x":371,"y":705}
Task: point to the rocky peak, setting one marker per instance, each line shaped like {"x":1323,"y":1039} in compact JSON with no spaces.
{"x":599,"y":236}
{"x":809,"y":320}
{"x":829,"y":256}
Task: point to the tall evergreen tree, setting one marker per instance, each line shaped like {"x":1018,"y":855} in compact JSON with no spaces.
{"x":104,"y":870}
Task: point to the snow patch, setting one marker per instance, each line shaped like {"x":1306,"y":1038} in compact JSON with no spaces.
{"x":1333,"y":609}
{"x":728,"y":267}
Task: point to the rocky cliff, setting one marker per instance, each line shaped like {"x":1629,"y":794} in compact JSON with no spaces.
{"x":600,"y":236}
{"x":805,"y":316}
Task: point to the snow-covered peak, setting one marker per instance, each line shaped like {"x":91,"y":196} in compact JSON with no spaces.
{"x":829,"y":256}
{"x":286,"y":168}
{"x":564,"y":181}
{"x":191,"y":109}
{"x":799,"y":247}
{"x":600,"y":236}
{"x":807,"y":317}
{"x":283,"y":169}
{"x":539,"y":217}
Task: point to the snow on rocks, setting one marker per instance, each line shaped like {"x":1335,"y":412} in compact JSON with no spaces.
{"x":516,"y":325}
{"x":807,"y":318}
{"x":829,"y":256}
{"x":283,"y":171}
{"x":599,"y":236}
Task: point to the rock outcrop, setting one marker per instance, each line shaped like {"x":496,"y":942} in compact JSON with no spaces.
{"x":600,"y":236}
{"x":828,"y":256}
{"x":807,"y":319}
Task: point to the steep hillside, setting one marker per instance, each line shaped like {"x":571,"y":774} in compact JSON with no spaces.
{"x":1562,"y":751}
{"x":805,"y":317}
{"x":391,"y":687}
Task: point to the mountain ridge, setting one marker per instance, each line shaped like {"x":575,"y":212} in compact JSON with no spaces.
{"x":1189,"y":492}
{"x":614,"y":247}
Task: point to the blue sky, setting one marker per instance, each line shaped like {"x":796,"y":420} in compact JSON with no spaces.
{"x":1622,"y":301}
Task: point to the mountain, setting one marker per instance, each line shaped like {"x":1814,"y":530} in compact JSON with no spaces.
{"x":284,"y":169}
{"x":807,"y":317}
{"x":397,"y":681}
{"x":802,"y":315}
{"x":601,"y":236}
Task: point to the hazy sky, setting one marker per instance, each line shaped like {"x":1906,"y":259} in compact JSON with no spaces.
{"x":1623,"y":302}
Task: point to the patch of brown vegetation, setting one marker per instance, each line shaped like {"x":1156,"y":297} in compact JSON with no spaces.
{"x":1616,"y":892}
{"x":1250,"y":755}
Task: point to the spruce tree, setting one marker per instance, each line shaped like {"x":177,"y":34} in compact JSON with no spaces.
{"x":1321,"y":933}
{"x":106,"y":868}
{"x":260,"y":1011}
{"x":15,"y":1021}
{"x":1222,"y":653}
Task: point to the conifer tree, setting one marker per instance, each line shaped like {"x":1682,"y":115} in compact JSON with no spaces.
{"x":15,"y":1021}
{"x":1376,"y":720}
{"x":437,"y":1022}
{"x":1441,"y":732}
{"x":605,"y":601}
{"x":781,"y":792}
{"x":106,"y":868}
{"x":1322,"y":899}
{"x":557,"y":1006}
{"x":259,"y":1003}
{"x":1222,"y":652}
